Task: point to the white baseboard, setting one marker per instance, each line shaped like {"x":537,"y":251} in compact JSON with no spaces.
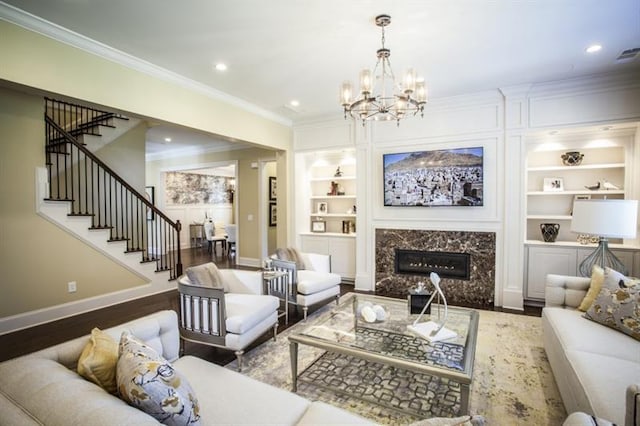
{"x":65,"y":310}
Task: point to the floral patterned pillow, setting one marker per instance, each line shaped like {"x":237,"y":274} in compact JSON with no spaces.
{"x":149,"y":382}
{"x":618,"y":308}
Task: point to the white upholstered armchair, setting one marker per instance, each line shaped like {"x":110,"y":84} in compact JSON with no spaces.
{"x":310,"y":278}
{"x":225,"y":308}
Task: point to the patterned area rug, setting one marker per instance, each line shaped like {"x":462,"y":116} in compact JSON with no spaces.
{"x":512,"y":379}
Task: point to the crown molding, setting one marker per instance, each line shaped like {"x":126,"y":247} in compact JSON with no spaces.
{"x":56,"y":32}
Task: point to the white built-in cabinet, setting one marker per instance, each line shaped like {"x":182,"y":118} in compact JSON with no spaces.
{"x":341,"y":249}
{"x":564,"y":259}
{"x":606,"y":158}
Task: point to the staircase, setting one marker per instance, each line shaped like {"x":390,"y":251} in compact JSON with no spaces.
{"x":85,"y":196}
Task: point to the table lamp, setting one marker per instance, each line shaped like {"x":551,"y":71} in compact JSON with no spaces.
{"x":605,"y":219}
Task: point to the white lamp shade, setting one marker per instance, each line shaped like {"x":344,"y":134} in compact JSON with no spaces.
{"x":606,"y":218}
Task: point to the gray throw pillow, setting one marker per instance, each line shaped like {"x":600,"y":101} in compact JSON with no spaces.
{"x":291,"y":254}
{"x":619,"y":309}
{"x":206,"y":275}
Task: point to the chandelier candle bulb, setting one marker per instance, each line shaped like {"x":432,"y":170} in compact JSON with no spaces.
{"x":410,"y":81}
{"x":346,"y":92}
{"x":365,"y":81}
{"x":421,"y":92}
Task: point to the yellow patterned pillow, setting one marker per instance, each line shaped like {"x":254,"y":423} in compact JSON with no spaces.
{"x":149,"y":382}
{"x":98,"y":360}
{"x":597,"y":278}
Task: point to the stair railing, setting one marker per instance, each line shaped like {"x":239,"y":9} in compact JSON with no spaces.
{"x":76,"y":175}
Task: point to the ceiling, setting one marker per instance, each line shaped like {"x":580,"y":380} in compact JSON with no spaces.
{"x":280,"y":50}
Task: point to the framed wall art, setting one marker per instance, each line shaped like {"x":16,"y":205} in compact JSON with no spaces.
{"x":273,"y":214}
{"x":273,"y":189}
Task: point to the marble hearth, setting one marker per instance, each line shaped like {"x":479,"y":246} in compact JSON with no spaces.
{"x":478,"y":291}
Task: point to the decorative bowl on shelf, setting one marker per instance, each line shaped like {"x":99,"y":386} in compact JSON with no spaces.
{"x":572,"y":158}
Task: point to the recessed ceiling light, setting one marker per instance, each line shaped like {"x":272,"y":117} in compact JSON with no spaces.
{"x":593,"y":48}
{"x":294,"y":103}
{"x":167,"y":140}
{"x":221,"y":67}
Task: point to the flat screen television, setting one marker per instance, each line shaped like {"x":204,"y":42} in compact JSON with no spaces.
{"x":446,"y":177}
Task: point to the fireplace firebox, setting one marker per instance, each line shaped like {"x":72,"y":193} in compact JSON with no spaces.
{"x":421,"y":262}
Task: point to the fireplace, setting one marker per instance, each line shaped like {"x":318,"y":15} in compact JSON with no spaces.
{"x":423,"y":262}
{"x":465,"y":260}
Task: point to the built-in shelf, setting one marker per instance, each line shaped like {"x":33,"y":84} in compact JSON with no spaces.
{"x":330,"y":234}
{"x":329,"y":179}
{"x":333,"y":215}
{"x":574,"y":168}
{"x":331,"y":197}
{"x":549,"y":217}
{"x":579,"y":192}
{"x":577,"y":244}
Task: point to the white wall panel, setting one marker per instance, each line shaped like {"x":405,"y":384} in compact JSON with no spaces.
{"x":585,"y":107}
{"x":444,"y":121}
{"x":324,"y":135}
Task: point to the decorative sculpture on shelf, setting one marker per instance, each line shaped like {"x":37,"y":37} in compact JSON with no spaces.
{"x":334,"y":188}
{"x":433,"y":331}
{"x":338,"y":172}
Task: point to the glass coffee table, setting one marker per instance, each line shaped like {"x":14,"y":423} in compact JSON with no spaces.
{"x":389,"y":343}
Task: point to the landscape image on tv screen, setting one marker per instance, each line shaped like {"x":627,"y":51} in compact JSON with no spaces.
{"x":447,"y":177}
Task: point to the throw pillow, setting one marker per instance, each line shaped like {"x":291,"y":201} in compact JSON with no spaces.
{"x":614,"y":280}
{"x":597,"y":278}
{"x":206,"y":275}
{"x":618,"y":309}
{"x":291,"y":254}
{"x":149,"y":382}
{"x":98,"y":360}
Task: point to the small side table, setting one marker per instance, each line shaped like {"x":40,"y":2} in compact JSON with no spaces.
{"x":276,"y":283}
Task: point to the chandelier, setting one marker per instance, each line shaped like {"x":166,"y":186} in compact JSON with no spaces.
{"x":392,"y":101}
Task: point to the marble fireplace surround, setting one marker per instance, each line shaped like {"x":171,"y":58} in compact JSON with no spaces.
{"x":478,"y":291}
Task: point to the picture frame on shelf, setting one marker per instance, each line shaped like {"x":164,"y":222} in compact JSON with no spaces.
{"x":273,"y":188}
{"x":273,"y":214}
{"x":318,"y":226}
{"x":322,"y":207}
{"x":553,"y":184}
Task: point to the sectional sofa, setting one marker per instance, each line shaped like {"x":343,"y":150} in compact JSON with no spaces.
{"x":596,"y":368}
{"x":44,"y":388}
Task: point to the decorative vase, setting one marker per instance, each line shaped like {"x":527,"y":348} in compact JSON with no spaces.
{"x":572,"y":158}
{"x":549,"y":231}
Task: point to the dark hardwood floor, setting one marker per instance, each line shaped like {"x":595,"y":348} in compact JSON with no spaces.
{"x":45,"y":335}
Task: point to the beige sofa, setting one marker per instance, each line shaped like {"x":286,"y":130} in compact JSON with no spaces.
{"x":596,"y":368}
{"x":44,"y":388}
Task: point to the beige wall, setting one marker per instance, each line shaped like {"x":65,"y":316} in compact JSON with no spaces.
{"x":37,"y":61}
{"x":38,"y":259}
{"x":247,"y":189}
{"x":126,"y":156}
